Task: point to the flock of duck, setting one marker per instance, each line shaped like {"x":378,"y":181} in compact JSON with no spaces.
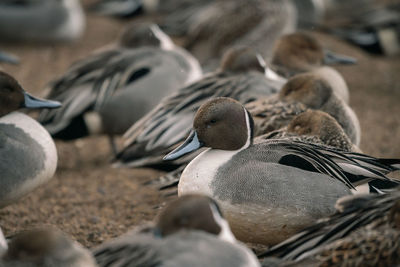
{"x":262,"y":149}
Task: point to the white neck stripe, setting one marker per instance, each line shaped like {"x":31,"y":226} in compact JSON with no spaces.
{"x":247,"y":116}
{"x":225,"y":233}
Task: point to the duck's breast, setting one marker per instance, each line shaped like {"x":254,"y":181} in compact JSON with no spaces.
{"x":28,"y":156}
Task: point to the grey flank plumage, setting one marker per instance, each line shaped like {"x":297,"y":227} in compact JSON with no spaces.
{"x":170,"y":122}
{"x":349,"y":168}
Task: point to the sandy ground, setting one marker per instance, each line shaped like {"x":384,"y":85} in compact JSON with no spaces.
{"x":94,"y":202}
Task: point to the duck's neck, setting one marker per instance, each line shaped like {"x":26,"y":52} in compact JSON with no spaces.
{"x":199,"y":173}
{"x":250,"y":130}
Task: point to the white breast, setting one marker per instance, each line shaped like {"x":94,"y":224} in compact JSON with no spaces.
{"x":33,"y":129}
{"x":199,"y":173}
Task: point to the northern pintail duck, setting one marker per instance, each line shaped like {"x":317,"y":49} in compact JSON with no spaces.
{"x":190,"y":231}
{"x":109,"y":91}
{"x":8,"y":58}
{"x":301,"y":92}
{"x":310,"y":126}
{"x":364,"y":231}
{"x":41,"y":20}
{"x":45,"y":247}
{"x":269,"y":190}
{"x":28,"y":153}
{"x":242,"y":76}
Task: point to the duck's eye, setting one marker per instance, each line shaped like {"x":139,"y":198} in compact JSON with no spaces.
{"x":213,"y":121}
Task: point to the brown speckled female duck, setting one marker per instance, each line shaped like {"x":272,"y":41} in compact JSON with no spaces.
{"x":302,"y":92}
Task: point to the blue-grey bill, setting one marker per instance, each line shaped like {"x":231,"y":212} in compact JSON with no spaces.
{"x":332,"y":58}
{"x":34,"y":102}
{"x":191,"y":144}
{"x":8,"y":58}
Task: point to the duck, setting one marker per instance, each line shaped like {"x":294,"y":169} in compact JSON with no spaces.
{"x":301,"y":92}
{"x":41,"y":20}
{"x":301,"y":52}
{"x":264,"y":188}
{"x":313,"y":126}
{"x":364,"y":231}
{"x":190,"y":231}
{"x":223,"y":24}
{"x":45,"y":247}
{"x":29,"y":156}
{"x":310,"y":126}
{"x":8,"y":58}
{"x":243,"y":75}
{"x":110,"y":90}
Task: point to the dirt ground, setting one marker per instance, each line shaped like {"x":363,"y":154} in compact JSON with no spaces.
{"x":93,"y":202}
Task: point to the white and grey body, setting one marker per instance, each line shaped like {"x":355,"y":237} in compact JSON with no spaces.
{"x":122,"y":86}
{"x":28,"y":156}
{"x":41,"y":20}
